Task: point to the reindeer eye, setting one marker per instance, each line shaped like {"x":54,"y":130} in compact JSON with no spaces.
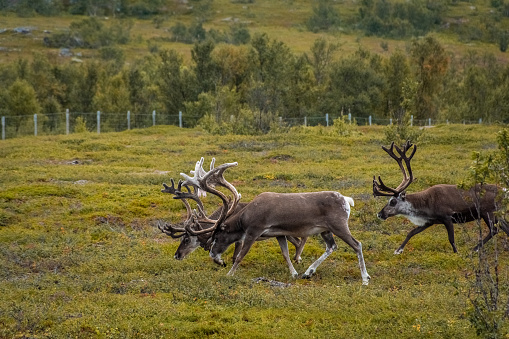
{"x":393,"y":202}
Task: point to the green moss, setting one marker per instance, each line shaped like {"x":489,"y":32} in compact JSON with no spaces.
{"x":81,"y":254}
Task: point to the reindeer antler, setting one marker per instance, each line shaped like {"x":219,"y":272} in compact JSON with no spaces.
{"x":207,"y":181}
{"x":171,"y":230}
{"x":190,"y":218}
{"x":379,"y":188}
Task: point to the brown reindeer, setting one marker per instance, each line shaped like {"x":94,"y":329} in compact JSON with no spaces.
{"x":278,"y":215}
{"x":439,"y":204}
{"x":189,"y":242}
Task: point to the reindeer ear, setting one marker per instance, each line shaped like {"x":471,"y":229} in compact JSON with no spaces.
{"x":402,"y":195}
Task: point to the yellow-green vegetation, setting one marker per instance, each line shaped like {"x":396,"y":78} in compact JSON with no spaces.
{"x":81,"y":254}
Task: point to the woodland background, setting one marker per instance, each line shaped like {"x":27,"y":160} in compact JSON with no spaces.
{"x":239,"y":66}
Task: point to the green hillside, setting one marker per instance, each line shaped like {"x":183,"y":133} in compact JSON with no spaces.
{"x":461,"y":26}
{"x":81,"y":254}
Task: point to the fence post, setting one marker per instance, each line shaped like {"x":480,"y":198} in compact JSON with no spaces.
{"x":3,"y":128}
{"x":67,"y":121}
{"x":480,"y":120}
{"x":350,"y":117}
{"x":128,"y":120}
{"x":429,"y":122}
{"x":153,"y":117}
{"x":327,"y":119}
{"x":35,"y":124}
{"x":370,"y":120}
{"x":390,"y":121}
{"x":98,"y":122}
{"x":180,"y":119}
{"x":305,"y":121}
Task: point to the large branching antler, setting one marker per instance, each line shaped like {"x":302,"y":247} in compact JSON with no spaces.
{"x":179,"y":194}
{"x":207,"y":181}
{"x":192,"y":216}
{"x":169,"y":229}
{"x":379,"y":188}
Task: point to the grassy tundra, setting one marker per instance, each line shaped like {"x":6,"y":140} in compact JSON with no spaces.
{"x":81,"y":255}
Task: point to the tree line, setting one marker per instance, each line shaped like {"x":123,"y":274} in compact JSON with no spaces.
{"x":246,"y":88}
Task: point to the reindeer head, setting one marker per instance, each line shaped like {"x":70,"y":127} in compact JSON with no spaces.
{"x":397,"y":203}
{"x":198,"y":228}
{"x":188,"y":242}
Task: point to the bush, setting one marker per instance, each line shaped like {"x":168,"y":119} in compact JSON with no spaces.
{"x":91,"y":33}
{"x":179,"y":32}
{"x":243,"y":123}
{"x":196,"y":110}
{"x":503,"y":40}
{"x":64,"y":39}
{"x":209,"y":124}
{"x":111,"y":53}
{"x":488,"y":296}
{"x":80,"y":125}
{"x":402,"y":131}
{"x":343,"y":127}
{"x":324,"y":17}
{"x":240,"y":35}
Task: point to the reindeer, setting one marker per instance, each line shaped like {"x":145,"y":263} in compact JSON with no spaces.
{"x":439,"y":204}
{"x":277,"y":215}
{"x":189,"y":242}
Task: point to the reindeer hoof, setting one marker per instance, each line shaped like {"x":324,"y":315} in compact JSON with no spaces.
{"x":308,"y":274}
{"x":398,"y":251}
{"x":220,"y":262}
{"x":366,"y":281}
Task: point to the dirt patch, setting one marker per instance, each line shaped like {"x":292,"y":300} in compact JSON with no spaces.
{"x":272,"y":283}
{"x":281,"y":157}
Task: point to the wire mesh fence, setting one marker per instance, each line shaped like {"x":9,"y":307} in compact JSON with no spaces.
{"x":101,"y":122}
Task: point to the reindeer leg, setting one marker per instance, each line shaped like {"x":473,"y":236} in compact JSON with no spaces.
{"x":284,"y":249}
{"x":492,"y":230}
{"x":449,"y":226}
{"x":238,"y":247}
{"x":364,"y":273}
{"x":503,"y":225}
{"x":299,"y":247}
{"x":410,"y":234}
{"x":248,"y":242}
{"x":331,"y":246}
{"x":357,"y":247}
{"x":298,"y":250}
